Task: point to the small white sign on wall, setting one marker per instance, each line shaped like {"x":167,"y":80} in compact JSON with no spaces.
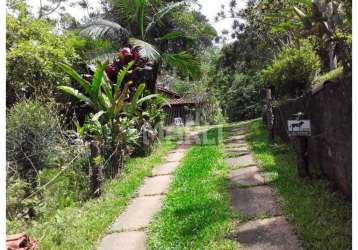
{"x":299,"y":127}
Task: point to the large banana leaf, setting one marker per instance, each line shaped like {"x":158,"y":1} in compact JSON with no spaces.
{"x":98,"y":115}
{"x":136,"y":96}
{"x":119,"y":104}
{"x":121,"y":74}
{"x":146,"y":98}
{"x":107,"y":88}
{"x":71,"y":72}
{"x":75,"y":93}
{"x":97,"y":80}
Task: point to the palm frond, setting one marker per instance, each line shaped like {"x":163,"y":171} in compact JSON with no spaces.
{"x":175,"y":35}
{"x":106,"y":29}
{"x":145,"y":49}
{"x":161,"y":13}
{"x":103,"y":56}
{"x":184,"y":62}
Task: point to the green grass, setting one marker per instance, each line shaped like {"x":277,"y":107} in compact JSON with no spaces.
{"x":196,"y":213}
{"x":321,"y":219}
{"x":82,"y":226}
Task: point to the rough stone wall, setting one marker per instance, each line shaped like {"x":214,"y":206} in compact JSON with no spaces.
{"x":329,"y":108}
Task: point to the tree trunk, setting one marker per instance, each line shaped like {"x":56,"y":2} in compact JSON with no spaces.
{"x":97,"y":178}
{"x":153,"y":80}
{"x":117,"y":154}
{"x":332,"y":55}
{"x":270,"y":116}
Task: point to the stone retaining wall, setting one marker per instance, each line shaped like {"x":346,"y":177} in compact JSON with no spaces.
{"x":329,"y":107}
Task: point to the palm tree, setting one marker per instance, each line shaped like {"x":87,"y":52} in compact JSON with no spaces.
{"x":143,"y":20}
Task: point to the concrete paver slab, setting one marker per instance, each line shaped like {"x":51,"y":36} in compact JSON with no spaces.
{"x":134,"y":240}
{"x":268,"y":234}
{"x":175,"y":156}
{"x":155,"y":185}
{"x":254,"y":201}
{"x":138,"y":214}
{"x":167,"y":168}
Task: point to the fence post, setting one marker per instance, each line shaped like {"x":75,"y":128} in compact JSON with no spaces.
{"x":97,"y":178}
{"x":269,"y":116}
{"x":302,"y":156}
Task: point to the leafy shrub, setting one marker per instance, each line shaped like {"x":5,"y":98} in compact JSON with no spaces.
{"x":33,"y":51}
{"x":32,"y":134}
{"x":292,"y":71}
{"x":68,"y":179}
{"x":44,"y":172}
{"x":17,"y":206}
{"x":244,"y":98}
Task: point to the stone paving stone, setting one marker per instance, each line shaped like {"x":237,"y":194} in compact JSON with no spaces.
{"x":254,"y":201}
{"x":134,"y":240}
{"x":138,"y":214}
{"x":240,"y":161}
{"x":236,"y":151}
{"x":240,"y":131}
{"x":235,"y":145}
{"x":239,"y":147}
{"x":155,"y":185}
{"x":237,"y":137}
{"x":248,"y":176}
{"x":268,"y":234}
{"x":166,"y":168}
{"x":234,"y":141}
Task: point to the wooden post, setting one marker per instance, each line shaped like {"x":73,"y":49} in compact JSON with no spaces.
{"x":302,"y":156}
{"x":97,"y":178}
{"x":269,"y":115}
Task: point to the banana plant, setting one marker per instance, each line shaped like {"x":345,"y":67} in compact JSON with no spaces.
{"x":109,"y":103}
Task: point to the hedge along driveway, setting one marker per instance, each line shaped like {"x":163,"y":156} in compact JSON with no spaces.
{"x":196,"y":213}
{"x":80,"y":227}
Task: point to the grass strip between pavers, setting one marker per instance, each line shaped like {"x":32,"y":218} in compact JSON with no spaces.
{"x":321,"y":219}
{"x":196,"y":212}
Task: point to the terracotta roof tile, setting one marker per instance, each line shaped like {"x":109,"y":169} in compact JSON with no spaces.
{"x":181,"y":101}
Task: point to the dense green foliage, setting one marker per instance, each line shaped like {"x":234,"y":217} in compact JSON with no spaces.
{"x":31,"y":137}
{"x":33,"y":51}
{"x":292,"y":71}
{"x":80,"y":225}
{"x":74,"y":83}
{"x":244,"y":97}
{"x":321,"y":218}
{"x":37,"y":150}
{"x":286,"y":44}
